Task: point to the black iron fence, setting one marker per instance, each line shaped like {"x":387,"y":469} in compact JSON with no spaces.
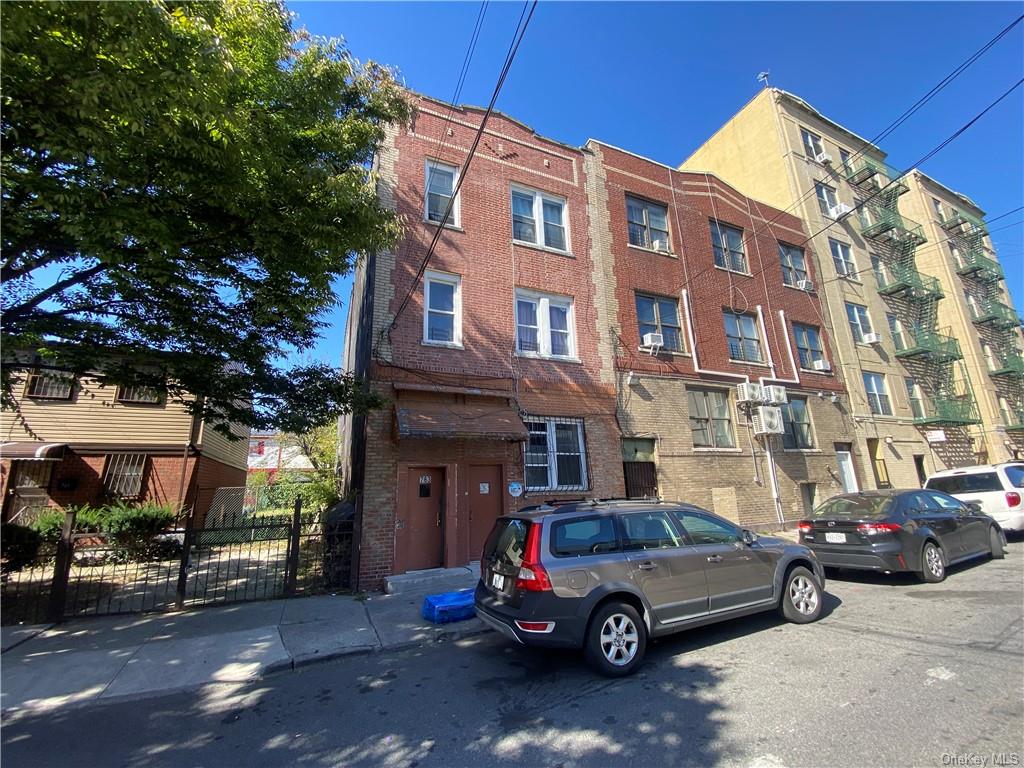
{"x":241,"y":550}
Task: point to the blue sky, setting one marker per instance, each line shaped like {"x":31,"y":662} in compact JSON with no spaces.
{"x":659,"y":78}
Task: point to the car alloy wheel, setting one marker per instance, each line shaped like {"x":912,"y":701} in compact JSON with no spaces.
{"x":933,"y":561}
{"x":803,"y":595}
{"x":619,"y":639}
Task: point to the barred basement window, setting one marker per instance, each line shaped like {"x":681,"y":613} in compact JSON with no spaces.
{"x":556,"y":459}
{"x":50,"y":386}
{"x":137,"y":394}
{"x":124,"y":474}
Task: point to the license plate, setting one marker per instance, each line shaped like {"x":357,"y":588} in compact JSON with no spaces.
{"x":835,"y":538}
{"x":497,"y":581}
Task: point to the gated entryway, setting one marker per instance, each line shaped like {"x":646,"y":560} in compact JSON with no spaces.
{"x":245,"y":549}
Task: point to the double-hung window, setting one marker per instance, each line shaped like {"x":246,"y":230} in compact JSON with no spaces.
{"x":880,"y":271}
{"x":899,"y":338}
{"x":797,"y":423}
{"x":440,"y":184}
{"x":538,"y":219}
{"x":648,"y":224}
{"x":827,"y":199}
{"x":844,"y":158}
{"x":50,"y":385}
{"x":808,"y":345}
{"x":878,"y":395}
{"x":556,"y":458}
{"x":794,"y":267}
{"x":710,"y":420}
{"x":915,"y":398}
{"x":843,"y":259}
{"x":742,"y":337}
{"x":544,"y":325}
{"x":860,"y":323}
{"x":958,"y":259}
{"x":442,"y":315}
{"x":972,"y":305}
{"x":812,"y":143}
{"x":937,"y":205}
{"x":658,"y":315}
{"x":123,"y":476}
{"x":137,"y":393}
{"x":727,"y":244}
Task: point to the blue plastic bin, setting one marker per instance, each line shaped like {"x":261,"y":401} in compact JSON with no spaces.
{"x":449,"y":606}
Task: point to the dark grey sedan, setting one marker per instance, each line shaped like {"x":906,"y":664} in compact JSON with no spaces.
{"x":917,"y":530}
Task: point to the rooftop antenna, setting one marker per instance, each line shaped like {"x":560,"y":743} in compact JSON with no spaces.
{"x":762,"y":77}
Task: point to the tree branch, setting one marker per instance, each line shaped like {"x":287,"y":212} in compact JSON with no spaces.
{"x":21,"y":310}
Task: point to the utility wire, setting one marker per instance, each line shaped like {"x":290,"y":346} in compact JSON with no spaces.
{"x":517,"y":38}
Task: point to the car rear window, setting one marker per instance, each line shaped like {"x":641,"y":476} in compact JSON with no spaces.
{"x":1015,"y":474}
{"x":856,"y":506}
{"x":507,"y":541}
{"x":584,"y":536}
{"x":978,"y":482}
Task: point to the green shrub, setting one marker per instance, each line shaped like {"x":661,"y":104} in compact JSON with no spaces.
{"x":19,"y":546}
{"x":130,"y":529}
{"x":49,"y":524}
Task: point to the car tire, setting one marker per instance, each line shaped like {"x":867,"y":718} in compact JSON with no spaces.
{"x":616,"y":640}
{"x":801,"y":597}
{"x":995,"y":543}
{"x":933,"y":564}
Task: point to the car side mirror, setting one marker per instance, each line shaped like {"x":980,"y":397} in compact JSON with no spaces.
{"x":749,"y":537}
{"x":973,"y":507}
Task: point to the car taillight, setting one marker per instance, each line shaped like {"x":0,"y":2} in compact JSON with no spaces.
{"x":1012,"y":498}
{"x":804,"y":526}
{"x":532,"y":577}
{"x":873,"y":529}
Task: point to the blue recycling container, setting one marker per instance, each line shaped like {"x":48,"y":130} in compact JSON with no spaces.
{"x":449,"y":606}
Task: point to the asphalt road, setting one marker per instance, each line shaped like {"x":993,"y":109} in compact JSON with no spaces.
{"x":897,"y":673}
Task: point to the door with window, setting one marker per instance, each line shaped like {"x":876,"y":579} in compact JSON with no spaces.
{"x":418,"y":529}
{"x":484,"y":504}
{"x":669,"y":572}
{"x":844,"y":462}
{"x":737,"y":575}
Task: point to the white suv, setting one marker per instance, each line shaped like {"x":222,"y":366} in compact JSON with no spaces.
{"x":998,"y":488}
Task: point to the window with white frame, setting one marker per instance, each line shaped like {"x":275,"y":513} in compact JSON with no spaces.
{"x":440,"y":185}
{"x":915,"y":398}
{"x":990,"y":358}
{"x":656,"y":314}
{"x":794,"y":267}
{"x":860,"y":323}
{"x":710,"y":419}
{"x":844,"y":158}
{"x":972,"y":304}
{"x":727,"y":245}
{"x":544,"y":325}
{"x":937,"y":205}
{"x":123,"y":476}
{"x":812,"y":143}
{"x":899,"y":340}
{"x":842,"y":257}
{"x":958,"y":259}
{"x":648,"y":224}
{"x":137,"y":394}
{"x":50,"y":385}
{"x":878,"y":395}
{"x":538,"y":219}
{"x":797,"y":423}
{"x":555,"y":454}
{"x":742,"y":336}
{"x":879,"y":269}
{"x":827,"y":199}
{"x":1006,"y":414}
{"x":808,"y":345}
{"x":442,"y":309}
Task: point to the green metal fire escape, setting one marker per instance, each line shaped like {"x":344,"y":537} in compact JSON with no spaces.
{"x":936,"y":357}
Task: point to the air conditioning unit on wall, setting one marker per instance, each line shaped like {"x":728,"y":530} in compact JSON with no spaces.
{"x":872,"y":338}
{"x":660,"y":245}
{"x":749,"y":392}
{"x":839,"y":209}
{"x":775,"y":395}
{"x":805,"y":285}
{"x":653,"y":340}
{"x":824,"y":158}
{"x":821,"y":365}
{"x":768,"y":420}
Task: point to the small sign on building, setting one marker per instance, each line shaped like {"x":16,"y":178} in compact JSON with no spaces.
{"x":935,"y":435}
{"x":485,"y":488}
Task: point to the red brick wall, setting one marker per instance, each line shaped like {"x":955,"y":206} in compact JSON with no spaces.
{"x":693,"y":200}
{"x":209,"y":476}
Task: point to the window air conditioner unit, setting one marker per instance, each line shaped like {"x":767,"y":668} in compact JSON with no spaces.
{"x":768,"y":420}
{"x":805,"y":285}
{"x":660,"y":245}
{"x":824,"y":158}
{"x":839,"y":209}
{"x":872,"y":338}
{"x":654,"y":340}
{"x":749,"y":392}
{"x":775,"y":395}
{"x":821,"y":365}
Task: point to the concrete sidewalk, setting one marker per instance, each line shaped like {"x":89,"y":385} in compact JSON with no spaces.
{"x":118,"y":657}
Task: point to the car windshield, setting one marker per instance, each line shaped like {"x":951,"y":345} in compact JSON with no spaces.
{"x":1015,"y":474}
{"x":856,"y":507}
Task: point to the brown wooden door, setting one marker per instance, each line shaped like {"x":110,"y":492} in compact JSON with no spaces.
{"x":484,"y":505}
{"x":418,"y":535}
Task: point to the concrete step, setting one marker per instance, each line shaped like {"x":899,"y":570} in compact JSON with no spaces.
{"x":433,"y":580}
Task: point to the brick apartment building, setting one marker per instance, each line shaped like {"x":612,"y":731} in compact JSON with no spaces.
{"x":68,"y":440}
{"x":497,"y":375}
{"x":722,"y":278}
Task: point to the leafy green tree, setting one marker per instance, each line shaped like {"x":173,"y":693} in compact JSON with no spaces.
{"x":182,"y":181}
